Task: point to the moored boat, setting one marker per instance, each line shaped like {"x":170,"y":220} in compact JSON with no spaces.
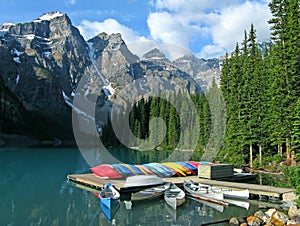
{"x":234,"y":194}
{"x":142,"y":181}
{"x":174,"y":196}
{"x":194,"y":189}
{"x":109,"y":201}
{"x":109,"y":213}
{"x":228,"y":193}
{"x":109,"y":196}
{"x":150,"y":193}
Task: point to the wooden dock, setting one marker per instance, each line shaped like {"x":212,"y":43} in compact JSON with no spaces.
{"x":96,"y":183}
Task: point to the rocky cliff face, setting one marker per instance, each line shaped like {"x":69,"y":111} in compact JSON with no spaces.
{"x":43,"y":61}
{"x":203,"y":71}
{"x":11,"y":111}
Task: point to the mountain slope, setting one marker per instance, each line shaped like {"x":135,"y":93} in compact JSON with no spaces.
{"x":46,"y":63}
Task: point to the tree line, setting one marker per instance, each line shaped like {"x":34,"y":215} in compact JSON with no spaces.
{"x":261,"y":88}
{"x":177,"y":120}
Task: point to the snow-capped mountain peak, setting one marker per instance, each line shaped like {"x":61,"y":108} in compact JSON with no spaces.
{"x":49,"y":16}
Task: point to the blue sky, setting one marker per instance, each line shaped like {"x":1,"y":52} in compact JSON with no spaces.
{"x":208,"y":28}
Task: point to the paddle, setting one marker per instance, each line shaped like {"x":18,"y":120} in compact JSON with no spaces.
{"x":208,"y":199}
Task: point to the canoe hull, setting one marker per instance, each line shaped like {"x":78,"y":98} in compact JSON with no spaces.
{"x":111,"y":210}
{"x":142,"y":181}
{"x":174,"y":196}
{"x":109,"y":201}
{"x":193,"y":189}
{"x":150,"y":193}
{"x":228,"y":193}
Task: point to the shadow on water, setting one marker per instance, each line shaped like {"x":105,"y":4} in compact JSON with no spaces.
{"x":34,"y":191}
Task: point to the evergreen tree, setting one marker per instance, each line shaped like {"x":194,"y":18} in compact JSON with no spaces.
{"x":295,"y":133}
{"x":286,"y":56}
{"x":173,"y":125}
{"x":218,"y":120}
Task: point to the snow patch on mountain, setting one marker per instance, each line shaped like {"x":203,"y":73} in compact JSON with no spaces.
{"x":15,"y":51}
{"x":49,"y":16}
{"x":17,"y":60}
{"x":108,"y":90}
{"x":91,"y":51}
{"x":17,"y":79}
{"x":68,"y":101}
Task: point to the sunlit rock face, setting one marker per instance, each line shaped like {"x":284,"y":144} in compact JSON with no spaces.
{"x":41,"y":59}
{"x":46,"y":63}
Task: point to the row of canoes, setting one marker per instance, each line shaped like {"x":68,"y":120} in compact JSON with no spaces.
{"x":165,"y":169}
{"x":173,"y":195}
{"x":109,"y":197}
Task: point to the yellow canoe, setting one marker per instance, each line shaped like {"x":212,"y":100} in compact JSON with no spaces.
{"x":175,"y":168}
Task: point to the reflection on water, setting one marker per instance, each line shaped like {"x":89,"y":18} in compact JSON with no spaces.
{"x":34,"y":191}
{"x":159,"y":213}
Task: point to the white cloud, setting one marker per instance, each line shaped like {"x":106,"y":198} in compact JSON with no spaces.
{"x":173,"y":29}
{"x":233,"y":21}
{"x":171,"y":51}
{"x":194,"y":6}
{"x":90,"y":29}
{"x":210,"y":51}
{"x":212,"y":27}
{"x":222,"y":23}
{"x":139,"y":45}
{"x":70,"y":2}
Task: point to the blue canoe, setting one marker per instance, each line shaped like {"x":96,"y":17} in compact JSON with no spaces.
{"x":123,"y":170}
{"x":154,"y":170}
{"x":109,"y":201}
{"x":192,"y":168}
{"x":165,"y":171}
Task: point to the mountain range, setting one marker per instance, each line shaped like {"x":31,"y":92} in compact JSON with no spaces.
{"x":47,"y":62}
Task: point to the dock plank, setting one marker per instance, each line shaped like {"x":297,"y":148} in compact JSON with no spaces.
{"x":255,"y":189}
{"x":90,"y":180}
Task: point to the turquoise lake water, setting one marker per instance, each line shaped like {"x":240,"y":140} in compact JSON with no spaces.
{"x":34,"y":191}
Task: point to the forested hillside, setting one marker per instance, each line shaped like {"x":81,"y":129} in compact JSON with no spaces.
{"x":262,"y":90}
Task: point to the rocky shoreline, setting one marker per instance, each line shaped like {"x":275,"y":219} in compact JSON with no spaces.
{"x":271,"y":217}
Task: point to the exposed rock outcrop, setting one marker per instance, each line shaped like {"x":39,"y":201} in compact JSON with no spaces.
{"x":44,"y":62}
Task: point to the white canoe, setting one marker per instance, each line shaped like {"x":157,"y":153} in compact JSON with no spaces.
{"x":150,"y":193}
{"x":203,"y":191}
{"x":228,"y":193}
{"x":174,"y":196}
{"x":142,"y":181}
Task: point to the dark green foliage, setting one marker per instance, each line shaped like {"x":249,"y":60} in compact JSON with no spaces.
{"x":14,"y":118}
{"x":295,"y":132}
{"x":12,"y":111}
{"x":292,"y":176}
{"x":286,"y":68}
{"x":176,"y":122}
{"x":261,"y":90}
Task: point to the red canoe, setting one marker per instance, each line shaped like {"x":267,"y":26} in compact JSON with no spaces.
{"x":105,"y":170}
